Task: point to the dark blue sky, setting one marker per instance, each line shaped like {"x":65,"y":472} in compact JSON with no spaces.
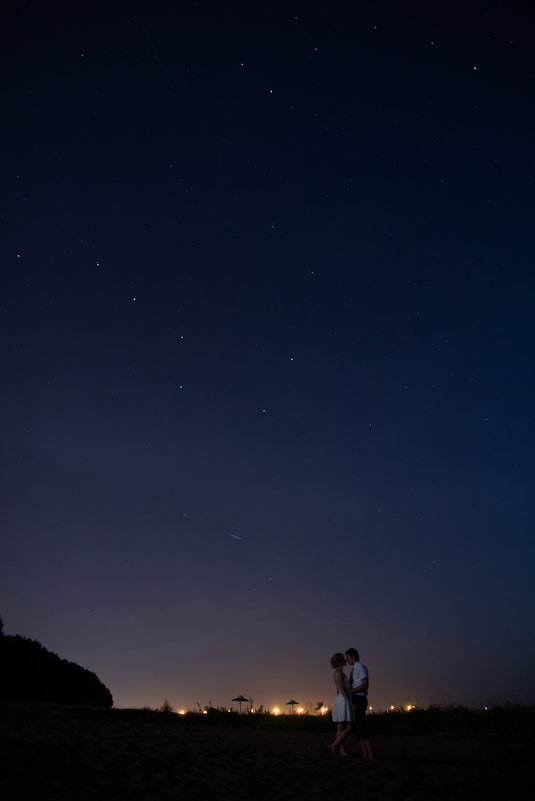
{"x":268,"y":347}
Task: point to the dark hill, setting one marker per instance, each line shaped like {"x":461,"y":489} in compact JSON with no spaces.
{"x":28,"y":672}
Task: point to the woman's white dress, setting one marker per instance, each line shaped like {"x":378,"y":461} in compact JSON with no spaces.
{"x":341,"y":710}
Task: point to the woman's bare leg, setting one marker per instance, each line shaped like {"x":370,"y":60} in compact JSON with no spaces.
{"x":342,"y":730}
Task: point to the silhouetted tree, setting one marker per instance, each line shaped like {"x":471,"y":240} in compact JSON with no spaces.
{"x":28,"y":672}
{"x":166,"y":707}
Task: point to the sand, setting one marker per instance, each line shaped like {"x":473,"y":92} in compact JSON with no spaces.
{"x":80,"y":755}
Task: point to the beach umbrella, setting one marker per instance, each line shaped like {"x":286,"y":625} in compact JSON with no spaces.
{"x":241,"y":700}
{"x":292,"y":703}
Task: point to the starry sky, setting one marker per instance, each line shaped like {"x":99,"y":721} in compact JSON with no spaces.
{"x":267,"y":304}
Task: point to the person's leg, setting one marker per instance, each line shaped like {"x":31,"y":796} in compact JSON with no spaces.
{"x":367,"y":751}
{"x":361,"y":728}
{"x":342,"y":730}
{"x":332,"y":745}
{"x":345,"y":732}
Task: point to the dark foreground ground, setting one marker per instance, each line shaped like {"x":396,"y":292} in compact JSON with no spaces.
{"x":81,"y":755}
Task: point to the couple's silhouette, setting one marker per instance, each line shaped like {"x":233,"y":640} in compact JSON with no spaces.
{"x":351,"y":702}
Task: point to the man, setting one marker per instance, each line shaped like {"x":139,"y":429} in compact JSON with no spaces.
{"x":358,"y":691}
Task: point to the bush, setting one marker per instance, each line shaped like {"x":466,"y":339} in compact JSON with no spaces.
{"x":28,"y":672}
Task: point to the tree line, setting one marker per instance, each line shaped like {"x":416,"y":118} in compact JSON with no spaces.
{"x":29,"y":672}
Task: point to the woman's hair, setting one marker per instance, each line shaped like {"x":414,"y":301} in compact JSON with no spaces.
{"x":337,"y":660}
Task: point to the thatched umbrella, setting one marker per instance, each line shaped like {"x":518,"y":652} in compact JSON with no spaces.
{"x":292,"y":703}
{"x":241,"y":700}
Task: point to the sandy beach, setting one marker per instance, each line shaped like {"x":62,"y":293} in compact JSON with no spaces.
{"x":84,"y":755}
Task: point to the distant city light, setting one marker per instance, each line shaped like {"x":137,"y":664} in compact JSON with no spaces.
{"x":181,"y":711}
{"x":276,"y":711}
{"x":324,"y":710}
{"x":205,"y":711}
{"x":300,"y":710}
{"x":409,"y":707}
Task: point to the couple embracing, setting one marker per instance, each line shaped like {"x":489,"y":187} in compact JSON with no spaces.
{"x":349,"y":708}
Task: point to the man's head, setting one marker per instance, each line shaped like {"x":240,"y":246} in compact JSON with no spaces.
{"x":352,"y":656}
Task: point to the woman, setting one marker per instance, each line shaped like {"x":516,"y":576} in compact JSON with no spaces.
{"x":342,"y":713}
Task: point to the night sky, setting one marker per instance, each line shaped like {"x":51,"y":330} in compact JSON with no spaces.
{"x":268,"y":388}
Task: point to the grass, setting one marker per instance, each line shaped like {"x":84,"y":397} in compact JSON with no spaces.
{"x":56,"y":752}
{"x":511,"y":720}
{"x":514,"y":721}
